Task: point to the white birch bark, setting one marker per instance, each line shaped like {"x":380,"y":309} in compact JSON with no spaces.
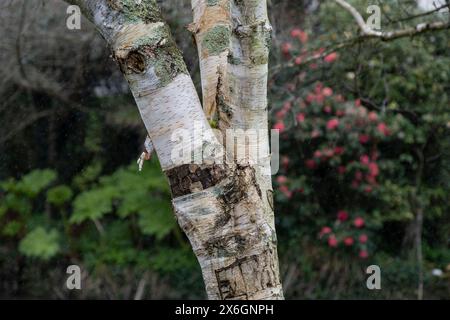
{"x":219,"y":206}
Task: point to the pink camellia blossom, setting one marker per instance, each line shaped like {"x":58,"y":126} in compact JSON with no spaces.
{"x":371,"y":179}
{"x":320,"y":98}
{"x":358,"y":222}
{"x":317,"y":154}
{"x":339,"y":98}
{"x":332,"y":241}
{"x":296,"y":32}
{"x":279,"y":126}
{"x":285,"y":190}
{"x":364,"y":138}
{"x":330,"y":57}
{"x":280,"y":114}
{"x":340,"y":113}
{"x":310,"y":164}
{"x":327,"y":152}
{"x":348,"y":241}
{"x":298,"y":60}
{"x":342,"y":215}
{"x":357,"y":102}
{"x":303,"y":37}
{"x":364,"y":159}
{"x":363,"y":238}
{"x":285,"y":161}
{"x":287,"y":106}
{"x":327,"y":92}
{"x":315,"y":133}
{"x":286,"y":47}
{"x":373,"y":169}
{"x":325,"y":230}
{"x":310,"y":98}
{"x":318,"y":88}
{"x":332,"y":124}
{"x":338,"y":150}
{"x":363,"y":254}
{"x":383,"y":129}
{"x":300,"y":117}
{"x":282,"y":179}
{"x":373,"y":116}
{"x":341,"y":169}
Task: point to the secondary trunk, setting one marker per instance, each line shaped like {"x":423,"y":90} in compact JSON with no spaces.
{"x":220,"y":206}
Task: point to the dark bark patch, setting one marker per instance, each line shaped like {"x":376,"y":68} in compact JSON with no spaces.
{"x":189,"y":178}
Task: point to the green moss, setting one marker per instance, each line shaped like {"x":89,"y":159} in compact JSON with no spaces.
{"x":147,"y":11}
{"x":168,"y":63}
{"x":217,"y":40}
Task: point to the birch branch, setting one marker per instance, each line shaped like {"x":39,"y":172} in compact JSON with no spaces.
{"x":368,"y":33}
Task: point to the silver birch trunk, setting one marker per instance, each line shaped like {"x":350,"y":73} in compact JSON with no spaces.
{"x":225,"y":209}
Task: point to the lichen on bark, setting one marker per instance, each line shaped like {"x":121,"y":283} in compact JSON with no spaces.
{"x":216,"y":40}
{"x":146,"y":11}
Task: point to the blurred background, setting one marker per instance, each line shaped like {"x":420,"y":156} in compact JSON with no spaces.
{"x":365,"y":159}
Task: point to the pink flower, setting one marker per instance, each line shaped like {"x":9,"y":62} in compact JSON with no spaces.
{"x":315,"y":133}
{"x":338,"y":150}
{"x":332,"y":241}
{"x":285,"y":190}
{"x":298,"y":60}
{"x":363,"y":254}
{"x":300,"y":117}
{"x":332,"y":124}
{"x":327,"y":92}
{"x":342,"y":215}
{"x":373,"y":116}
{"x":348,"y":241}
{"x":295,"y":32}
{"x":340,"y":113}
{"x":373,"y":169}
{"x":364,"y":159}
{"x":287,"y":106}
{"x":358,"y":222}
{"x":281,"y":179}
{"x":279,"y":126}
{"x":341,"y":169}
{"x":357,"y":102}
{"x":368,"y":189}
{"x":363,"y":238}
{"x":383,"y":129}
{"x":285,"y":161}
{"x":303,"y":37}
{"x":286,"y":47}
{"x":310,"y":164}
{"x":317,"y":154}
{"x":280,"y":114}
{"x":327,"y":109}
{"x":331,"y":57}
{"x":310,"y":98}
{"x":364,"y":138}
{"x":325,"y":230}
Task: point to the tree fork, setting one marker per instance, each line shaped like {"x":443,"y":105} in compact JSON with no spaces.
{"x":221,"y":208}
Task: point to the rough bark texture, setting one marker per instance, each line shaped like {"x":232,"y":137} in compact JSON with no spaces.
{"x":225,"y":209}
